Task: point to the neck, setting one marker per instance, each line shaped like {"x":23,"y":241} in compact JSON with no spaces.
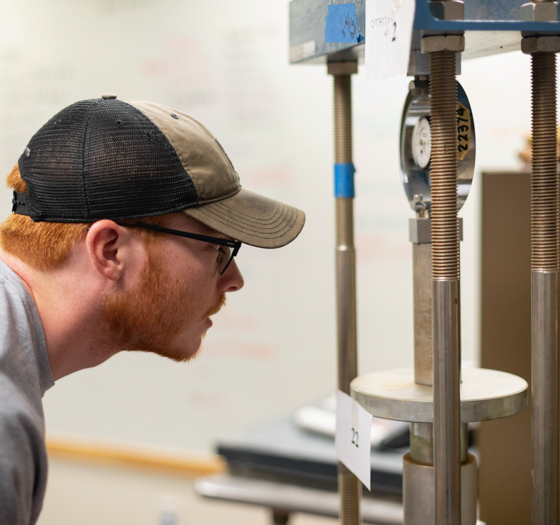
{"x":71,"y":313}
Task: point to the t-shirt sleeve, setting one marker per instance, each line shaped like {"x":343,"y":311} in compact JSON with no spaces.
{"x":23,"y":465}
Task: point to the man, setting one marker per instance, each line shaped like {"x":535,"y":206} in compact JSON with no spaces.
{"x":126,"y":220}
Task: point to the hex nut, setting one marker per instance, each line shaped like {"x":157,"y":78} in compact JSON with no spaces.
{"x":448,"y":10}
{"x":539,"y":12}
{"x":540,"y":44}
{"x":436,"y":43}
{"x":342,"y":68}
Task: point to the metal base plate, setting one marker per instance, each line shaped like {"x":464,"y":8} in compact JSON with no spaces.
{"x":485,"y":395}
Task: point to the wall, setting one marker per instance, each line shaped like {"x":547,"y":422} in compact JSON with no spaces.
{"x":273,"y":348}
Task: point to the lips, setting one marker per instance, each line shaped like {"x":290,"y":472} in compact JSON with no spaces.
{"x":217,"y":307}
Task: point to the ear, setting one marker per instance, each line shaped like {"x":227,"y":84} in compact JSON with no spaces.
{"x":109,"y":246}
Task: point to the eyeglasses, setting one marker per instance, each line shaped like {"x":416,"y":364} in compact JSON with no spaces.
{"x":227,"y":251}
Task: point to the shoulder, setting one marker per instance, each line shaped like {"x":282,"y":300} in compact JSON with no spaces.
{"x":14,"y":298}
{"x":23,"y":352}
{"x":23,"y":456}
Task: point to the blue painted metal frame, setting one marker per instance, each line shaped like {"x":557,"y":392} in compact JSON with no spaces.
{"x":489,"y":15}
{"x":308,"y":18}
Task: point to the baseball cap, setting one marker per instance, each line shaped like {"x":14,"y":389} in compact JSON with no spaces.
{"x":116,"y":159}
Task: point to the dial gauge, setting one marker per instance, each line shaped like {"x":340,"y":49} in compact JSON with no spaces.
{"x":416,"y":145}
{"x":421,"y":143}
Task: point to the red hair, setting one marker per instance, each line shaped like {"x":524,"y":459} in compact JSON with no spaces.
{"x":47,"y":245}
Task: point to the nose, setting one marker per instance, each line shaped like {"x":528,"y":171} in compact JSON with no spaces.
{"x":232,"y":280}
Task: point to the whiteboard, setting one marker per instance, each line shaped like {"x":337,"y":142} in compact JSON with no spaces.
{"x":274,"y":346}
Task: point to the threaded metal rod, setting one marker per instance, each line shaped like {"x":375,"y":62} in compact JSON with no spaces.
{"x":443,"y":99}
{"x":342,"y":119}
{"x":349,"y":487}
{"x":350,"y":490}
{"x":544,"y":292}
{"x":544,"y":180}
{"x":445,"y":274}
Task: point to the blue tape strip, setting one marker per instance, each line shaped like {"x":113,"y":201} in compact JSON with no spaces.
{"x":344,"y":180}
{"x":341,"y":24}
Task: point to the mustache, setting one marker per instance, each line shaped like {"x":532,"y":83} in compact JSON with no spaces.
{"x":217,"y":307}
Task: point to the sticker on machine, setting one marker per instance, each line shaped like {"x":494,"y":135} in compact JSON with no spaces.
{"x":388,"y":37}
{"x":353,"y":437}
{"x":464,"y":133}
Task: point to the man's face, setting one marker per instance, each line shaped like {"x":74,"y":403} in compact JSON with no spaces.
{"x":167,"y":309}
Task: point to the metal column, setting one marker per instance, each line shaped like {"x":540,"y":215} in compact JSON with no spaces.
{"x":544,"y":275}
{"x":445,"y":276}
{"x":349,"y":486}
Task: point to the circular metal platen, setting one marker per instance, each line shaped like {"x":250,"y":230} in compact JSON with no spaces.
{"x":485,"y":395}
{"x":415,"y":147}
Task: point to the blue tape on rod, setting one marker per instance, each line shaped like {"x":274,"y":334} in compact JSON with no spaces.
{"x":344,"y":180}
{"x":341,"y":24}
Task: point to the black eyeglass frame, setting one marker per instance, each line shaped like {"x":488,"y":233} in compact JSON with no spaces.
{"x":196,"y":236}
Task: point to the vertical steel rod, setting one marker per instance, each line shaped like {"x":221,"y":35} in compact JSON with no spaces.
{"x":445,"y":268}
{"x":544,"y":292}
{"x":350,"y":488}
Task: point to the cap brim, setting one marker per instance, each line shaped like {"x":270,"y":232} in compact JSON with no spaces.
{"x":251,"y":219}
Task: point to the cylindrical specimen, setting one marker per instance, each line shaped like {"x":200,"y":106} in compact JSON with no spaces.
{"x":419,"y":497}
{"x":422,"y":443}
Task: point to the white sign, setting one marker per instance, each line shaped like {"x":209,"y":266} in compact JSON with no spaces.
{"x":388,"y":37}
{"x":353,"y":437}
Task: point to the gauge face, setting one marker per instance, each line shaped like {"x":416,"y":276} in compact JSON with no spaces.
{"x":422,"y":143}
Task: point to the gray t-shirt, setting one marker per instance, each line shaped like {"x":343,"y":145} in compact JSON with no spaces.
{"x":25,"y":375}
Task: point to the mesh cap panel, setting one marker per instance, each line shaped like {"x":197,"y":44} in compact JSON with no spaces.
{"x":104,"y":160}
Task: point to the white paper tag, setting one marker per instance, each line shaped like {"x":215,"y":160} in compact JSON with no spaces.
{"x":388,"y":37}
{"x":353,"y":437}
